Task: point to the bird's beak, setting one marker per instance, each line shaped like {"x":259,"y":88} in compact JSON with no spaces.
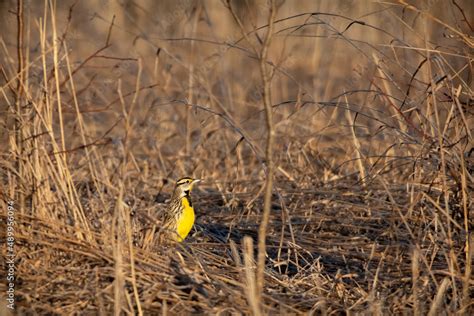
{"x":194,"y":182}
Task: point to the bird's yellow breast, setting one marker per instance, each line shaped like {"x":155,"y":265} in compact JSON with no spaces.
{"x":186,"y":220}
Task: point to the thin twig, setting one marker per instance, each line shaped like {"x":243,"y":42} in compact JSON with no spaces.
{"x":267,"y":200}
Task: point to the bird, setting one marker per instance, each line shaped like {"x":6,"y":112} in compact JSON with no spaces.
{"x":178,"y":217}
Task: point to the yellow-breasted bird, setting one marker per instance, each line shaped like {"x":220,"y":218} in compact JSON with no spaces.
{"x":178,"y":219}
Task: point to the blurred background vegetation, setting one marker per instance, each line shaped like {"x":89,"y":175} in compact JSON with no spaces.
{"x":367,"y":56}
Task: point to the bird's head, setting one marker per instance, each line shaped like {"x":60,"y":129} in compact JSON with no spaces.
{"x":185,"y":185}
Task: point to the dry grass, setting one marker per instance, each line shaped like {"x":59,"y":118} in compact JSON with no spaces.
{"x":104,"y":104}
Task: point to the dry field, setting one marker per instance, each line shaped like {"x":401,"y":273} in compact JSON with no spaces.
{"x":334,"y":138}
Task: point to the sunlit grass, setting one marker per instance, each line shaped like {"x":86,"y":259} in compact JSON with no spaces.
{"x":372,"y":110}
